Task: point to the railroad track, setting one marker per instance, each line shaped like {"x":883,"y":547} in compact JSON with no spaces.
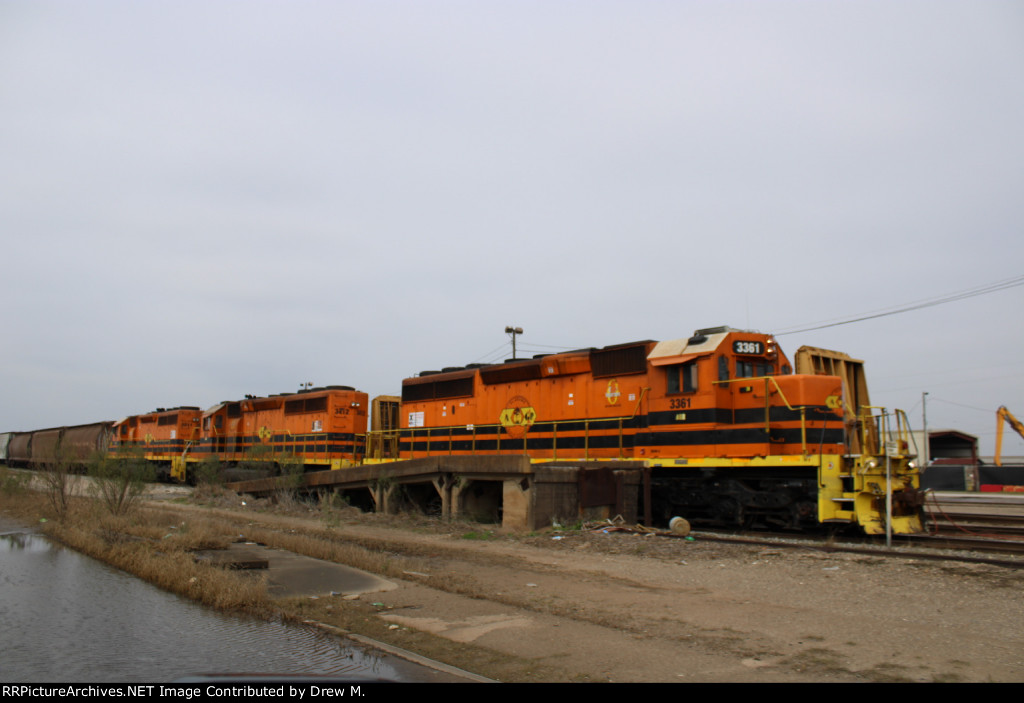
{"x":983,"y":528}
{"x":1008,"y":554}
{"x":976,"y":515}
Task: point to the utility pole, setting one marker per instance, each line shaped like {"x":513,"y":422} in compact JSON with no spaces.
{"x":924,"y":421}
{"x":513,"y":331}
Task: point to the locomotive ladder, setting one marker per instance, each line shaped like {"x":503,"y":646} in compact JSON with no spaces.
{"x":179,"y":464}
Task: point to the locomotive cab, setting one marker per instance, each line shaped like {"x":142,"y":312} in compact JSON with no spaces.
{"x":731,"y":393}
{"x":735,"y":436}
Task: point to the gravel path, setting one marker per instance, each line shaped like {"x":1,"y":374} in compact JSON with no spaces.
{"x":618,"y":607}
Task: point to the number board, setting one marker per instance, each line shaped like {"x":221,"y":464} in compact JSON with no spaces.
{"x":748,"y":348}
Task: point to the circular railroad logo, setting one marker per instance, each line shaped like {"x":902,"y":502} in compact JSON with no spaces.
{"x":612,"y":393}
{"x":517,"y":417}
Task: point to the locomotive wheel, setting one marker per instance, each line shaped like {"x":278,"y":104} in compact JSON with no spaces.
{"x":727,"y":509}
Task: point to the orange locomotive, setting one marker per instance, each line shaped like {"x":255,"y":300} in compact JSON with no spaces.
{"x":322,"y":427}
{"x":163,"y":436}
{"x":728,"y":431}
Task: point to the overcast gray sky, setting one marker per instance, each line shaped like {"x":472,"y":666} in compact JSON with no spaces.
{"x":200,"y":200}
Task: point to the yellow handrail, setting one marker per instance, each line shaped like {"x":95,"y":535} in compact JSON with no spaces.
{"x":447,"y":435}
{"x":901,"y":434}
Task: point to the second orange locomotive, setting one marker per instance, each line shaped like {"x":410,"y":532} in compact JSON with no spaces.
{"x":322,"y":428}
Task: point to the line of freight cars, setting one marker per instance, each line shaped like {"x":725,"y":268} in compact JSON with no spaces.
{"x":722,"y":426}
{"x":322,"y":428}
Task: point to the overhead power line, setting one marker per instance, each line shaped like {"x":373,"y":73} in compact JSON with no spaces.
{"x":918,"y":305}
{"x":501,"y":353}
{"x":961,"y":405}
{"x":492,"y":352}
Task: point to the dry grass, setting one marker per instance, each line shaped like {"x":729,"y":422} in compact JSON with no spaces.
{"x":170,"y":567}
{"x":330,"y":548}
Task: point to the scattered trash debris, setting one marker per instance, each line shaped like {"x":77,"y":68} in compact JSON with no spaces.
{"x":679,"y":526}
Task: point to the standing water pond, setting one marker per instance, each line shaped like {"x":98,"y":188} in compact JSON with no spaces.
{"x":67,"y":618}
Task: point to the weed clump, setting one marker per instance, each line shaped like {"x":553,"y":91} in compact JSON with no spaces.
{"x":13,"y":482}
{"x":120,"y":479}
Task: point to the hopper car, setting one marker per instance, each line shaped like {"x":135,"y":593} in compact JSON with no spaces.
{"x":726,"y":428}
{"x":74,"y":445}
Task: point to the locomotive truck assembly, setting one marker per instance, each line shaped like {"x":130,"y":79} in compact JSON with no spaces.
{"x":718,"y":427}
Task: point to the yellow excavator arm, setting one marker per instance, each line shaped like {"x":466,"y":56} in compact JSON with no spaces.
{"x":1003,"y":414}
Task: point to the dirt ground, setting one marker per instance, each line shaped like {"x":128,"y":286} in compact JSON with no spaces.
{"x":579,"y":606}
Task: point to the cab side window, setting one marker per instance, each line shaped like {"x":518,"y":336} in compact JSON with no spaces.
{"x":749,"y":369}
{"x":682,"y":378}
{"x":672,"y":379}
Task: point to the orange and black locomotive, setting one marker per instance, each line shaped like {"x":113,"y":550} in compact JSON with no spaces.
{"x":729,"y":432}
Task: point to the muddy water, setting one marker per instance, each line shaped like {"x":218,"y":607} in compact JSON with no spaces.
{"x":67,"y":618}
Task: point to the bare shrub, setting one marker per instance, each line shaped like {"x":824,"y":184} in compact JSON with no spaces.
{"x":120,"y":479}
{"x":56,"y":472}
